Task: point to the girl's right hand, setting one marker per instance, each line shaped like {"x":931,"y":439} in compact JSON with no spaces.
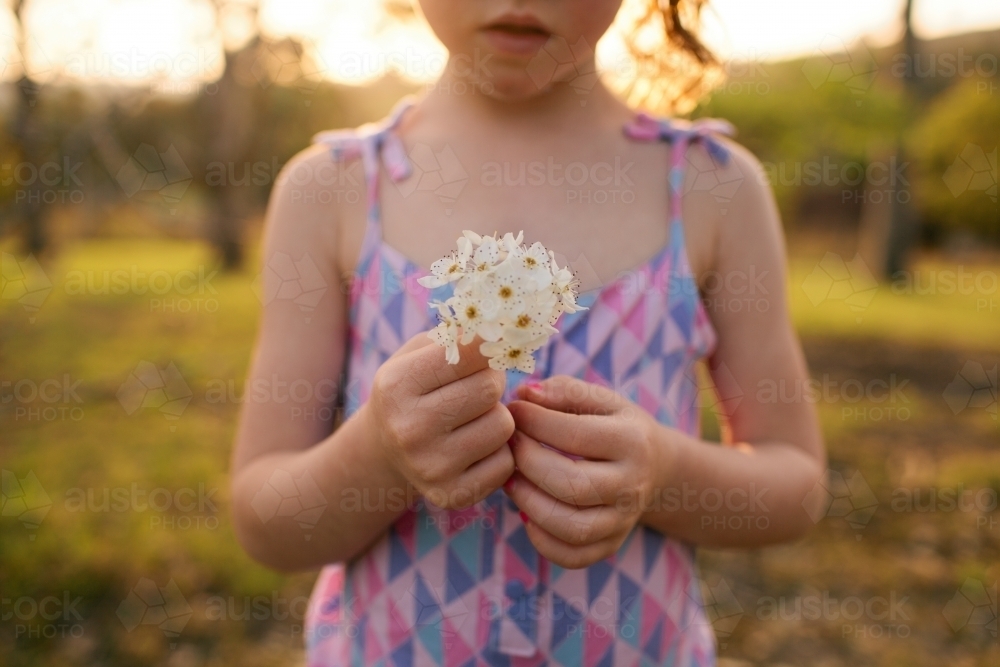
{"x":442,"y":426}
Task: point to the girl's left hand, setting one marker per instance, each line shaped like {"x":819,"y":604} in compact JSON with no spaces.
{"x":579,"y":510}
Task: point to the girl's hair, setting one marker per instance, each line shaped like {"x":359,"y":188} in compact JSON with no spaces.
{"x":673,"y":69}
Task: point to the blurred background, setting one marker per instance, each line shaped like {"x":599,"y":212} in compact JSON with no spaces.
{"x":138,"y":144}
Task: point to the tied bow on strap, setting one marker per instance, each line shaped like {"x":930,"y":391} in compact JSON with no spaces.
{"x":372,"y":141}
{"x":646,"y":128}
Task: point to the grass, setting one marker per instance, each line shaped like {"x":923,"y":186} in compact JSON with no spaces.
{"x":85,"y":444}
{"x":937,"y":303}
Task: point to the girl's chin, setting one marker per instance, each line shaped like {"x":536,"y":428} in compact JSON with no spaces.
{"x":513,"y":88}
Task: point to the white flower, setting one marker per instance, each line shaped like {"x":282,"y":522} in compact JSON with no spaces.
{"x":505,"y":355}
{"x":486,"y":255}
{"x":565,"y":284}
{"x":469,"y":315}
{"x":511,"y":244}
{"x":535,"y":263}
{"x":533,"y":323}
{"x":505,"y":293}
{"x":445,"y":334}
{"x":450,"y":268}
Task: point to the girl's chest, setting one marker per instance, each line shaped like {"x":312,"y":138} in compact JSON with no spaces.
{"x":603,"y":212}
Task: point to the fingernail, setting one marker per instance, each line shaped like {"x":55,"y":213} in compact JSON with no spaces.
{"x":534,"y":386}
{"x":524,"y":517}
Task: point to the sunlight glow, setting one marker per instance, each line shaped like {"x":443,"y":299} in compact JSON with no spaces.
{"x":143,"y":42}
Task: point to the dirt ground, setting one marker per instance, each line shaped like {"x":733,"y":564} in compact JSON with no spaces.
{"x":911,"y":577}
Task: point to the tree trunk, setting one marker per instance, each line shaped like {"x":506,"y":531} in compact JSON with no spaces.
{"x":231,"y":117}
{"x":27,"y":133}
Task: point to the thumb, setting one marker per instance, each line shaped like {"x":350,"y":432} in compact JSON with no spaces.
{"x":570,"y":394}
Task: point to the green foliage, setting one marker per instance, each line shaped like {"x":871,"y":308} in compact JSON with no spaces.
{"x":793,"y":126}
{"x":955,"y":145}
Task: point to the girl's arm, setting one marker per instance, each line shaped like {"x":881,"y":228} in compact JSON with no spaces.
{"x":775,"y":455}
{"x":303,"y":497}
{"x":752,"y":491}
{"x":284,"y":448}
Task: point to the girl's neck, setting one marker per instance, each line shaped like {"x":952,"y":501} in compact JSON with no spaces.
{"x":559,"y":107}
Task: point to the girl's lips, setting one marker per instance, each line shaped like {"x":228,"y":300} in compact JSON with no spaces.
{"x":516,"y":40}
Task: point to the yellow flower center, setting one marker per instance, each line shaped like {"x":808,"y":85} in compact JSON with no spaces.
{"x":514,"y":353}
{"x":506,"y":292}
{"x":523,"y":321}
{"x":471,"y":312}
{"x":530,"y":261}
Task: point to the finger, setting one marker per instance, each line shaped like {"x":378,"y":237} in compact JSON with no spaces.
{"x":570,"y":394}
{"x":583,"y":435}
{"x":474,"y":484}
{"x":574,"y":525}
{"x":414,"y":342}
{"x":581,"y":483}
{"x":429,"y":369}
{"x":461,"y":401}
{"x":489,"y":474}
{"x":567,"y":555}
{"x":482,"y":436}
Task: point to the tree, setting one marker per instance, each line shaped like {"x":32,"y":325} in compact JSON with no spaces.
{"x":26,"y":129}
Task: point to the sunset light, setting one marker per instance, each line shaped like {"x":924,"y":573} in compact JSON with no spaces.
{"x":175,"y":41}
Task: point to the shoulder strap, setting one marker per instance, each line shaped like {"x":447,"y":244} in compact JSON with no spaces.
{"x":679,"y":134}
{"x":372,"y":142}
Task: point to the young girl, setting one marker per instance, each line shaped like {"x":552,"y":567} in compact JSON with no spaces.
{"x":465,"y":516}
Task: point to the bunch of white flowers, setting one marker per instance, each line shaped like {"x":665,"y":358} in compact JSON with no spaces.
{"x":509,"y":294}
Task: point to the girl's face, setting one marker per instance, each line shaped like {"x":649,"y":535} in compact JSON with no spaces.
{"x":516,"y":49}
